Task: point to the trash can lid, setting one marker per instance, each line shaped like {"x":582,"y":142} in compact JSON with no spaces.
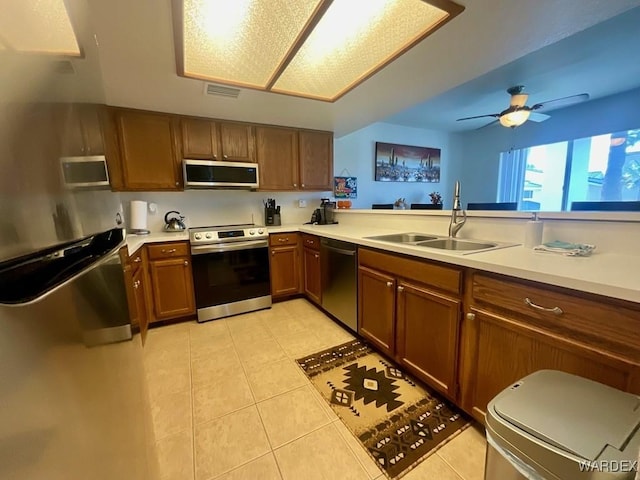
{"x":576,"y":415}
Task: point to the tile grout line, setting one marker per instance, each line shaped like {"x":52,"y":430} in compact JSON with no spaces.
{"x":450,"y":466}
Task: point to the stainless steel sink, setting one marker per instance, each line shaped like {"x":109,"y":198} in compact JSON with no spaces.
{"x":456,"y":244}
{"x":453,"y":245}
{"x":404,"y":237}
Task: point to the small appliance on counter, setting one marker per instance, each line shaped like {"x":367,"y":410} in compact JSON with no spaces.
{"x":325,"y":214}
{"x":139,"y":217}
{"x":271,"y":212}
{"x":174,"y":223}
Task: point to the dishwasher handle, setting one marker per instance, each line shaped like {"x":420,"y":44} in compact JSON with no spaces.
{"x":343,"y":251}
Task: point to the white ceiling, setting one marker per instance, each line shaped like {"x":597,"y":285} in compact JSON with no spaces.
{"x":601,"y":61}
{"x":138,"y":66}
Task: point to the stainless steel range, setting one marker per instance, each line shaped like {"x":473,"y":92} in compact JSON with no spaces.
{"x":230,"y":270}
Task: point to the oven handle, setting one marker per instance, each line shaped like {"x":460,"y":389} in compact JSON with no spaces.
{"x":226,"y":247}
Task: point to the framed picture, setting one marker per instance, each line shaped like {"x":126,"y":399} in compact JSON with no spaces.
{"x":404,"y":163}
{"x":345,"y":187}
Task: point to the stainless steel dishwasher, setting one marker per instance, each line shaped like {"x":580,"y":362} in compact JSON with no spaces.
{"x":340,"y":281}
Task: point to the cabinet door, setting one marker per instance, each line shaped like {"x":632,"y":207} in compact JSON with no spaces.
{"x":316,"y":160}
{"x":427,"y":336}
{"x":501,"y":351}
{"x":237,"y":142}
{"x":148,"y":150}
{"x":199,"y":139}
{"x":285,"y":268}
{"x":140,"y":303}
{"x":92,"y":129}
{"x":172,"y":283}
{"x":277,"y":155}
{"x":312,"y":274}
{"x":376,"y":308}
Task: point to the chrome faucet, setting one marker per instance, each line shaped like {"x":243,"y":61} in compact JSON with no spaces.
{"x":455,"y":224}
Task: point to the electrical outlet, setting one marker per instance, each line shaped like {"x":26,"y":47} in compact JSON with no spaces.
{"x":302,"y":203}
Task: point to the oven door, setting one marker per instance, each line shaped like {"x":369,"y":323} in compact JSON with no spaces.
{"x":231,"y":278}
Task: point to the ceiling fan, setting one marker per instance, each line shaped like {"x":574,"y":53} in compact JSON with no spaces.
{"x":518,"y":112}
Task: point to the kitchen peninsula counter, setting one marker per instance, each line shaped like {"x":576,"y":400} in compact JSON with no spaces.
{"x":603,"y":273}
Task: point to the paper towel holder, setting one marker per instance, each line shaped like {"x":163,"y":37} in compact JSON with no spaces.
{"x":139,"y":218}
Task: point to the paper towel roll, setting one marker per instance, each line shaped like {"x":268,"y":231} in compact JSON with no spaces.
{"x":533,"y":233}
{"x":139,"y":216}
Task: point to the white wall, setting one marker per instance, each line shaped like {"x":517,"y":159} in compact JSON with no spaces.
{"x":354,"y":155}
{"x":223,"y":207}
{"x":478,"y":158}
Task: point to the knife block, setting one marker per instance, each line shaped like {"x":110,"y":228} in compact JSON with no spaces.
{"x":271,"y":216}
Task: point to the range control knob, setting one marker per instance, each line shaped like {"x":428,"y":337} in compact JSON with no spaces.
{"x":252,"y":232}
{"x":208,"y":235}
{"x":197,"y":236}
{"x":260,"y":231}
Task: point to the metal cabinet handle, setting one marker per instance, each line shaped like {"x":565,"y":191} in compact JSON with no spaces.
{"x":186,"y":263}
{"x":295,"y":184}
{"x":302,"y":185}
{"x":554,"y":310}
{"x":177,"y":183}
{"x":283,"y":239}
{"x":316,"y":256}
{"x":400,"y":288}
{"x":471,"y":316}
{"x":171,"y":250}
{"x":215,"y":156}
{"x":136,"y":284}
{"x":389,"y":284}
{"x":137,"y":260}
{"x":225,"y":157}
{"x":273,"y":252}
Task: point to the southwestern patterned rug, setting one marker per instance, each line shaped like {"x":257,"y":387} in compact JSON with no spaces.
{"x":398,"y":421}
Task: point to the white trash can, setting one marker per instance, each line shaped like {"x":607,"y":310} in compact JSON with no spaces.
{"x":555,"y":426}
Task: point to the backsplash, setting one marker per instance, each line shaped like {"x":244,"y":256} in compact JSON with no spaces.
{"x":223,"y":207}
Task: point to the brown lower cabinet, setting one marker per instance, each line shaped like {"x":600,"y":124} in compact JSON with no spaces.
{"x":285,"y":265}
{"x":410,"y":310}
{"x":312,"y":267}
{"x":172,"y":285}
{"x":505,"y":338}
{"x":171,"y":278}
{"x":134,"y":269}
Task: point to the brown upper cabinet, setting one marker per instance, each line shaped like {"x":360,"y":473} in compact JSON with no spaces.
{"x":209,"y":140}
{"x":316,"y":160}
{"x":147,"y":156}
{"x":293,"y":159}
{"x":80,"y":129}
{"x":277,"y":150}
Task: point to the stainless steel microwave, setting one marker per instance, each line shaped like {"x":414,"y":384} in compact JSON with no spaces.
{"x":85,"y":172}
{"x":214,"y":174}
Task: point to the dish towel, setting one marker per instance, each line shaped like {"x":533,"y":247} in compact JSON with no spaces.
{"x":566,"y":248}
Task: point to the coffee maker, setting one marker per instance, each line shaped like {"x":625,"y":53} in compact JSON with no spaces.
{"x":325,"y":214}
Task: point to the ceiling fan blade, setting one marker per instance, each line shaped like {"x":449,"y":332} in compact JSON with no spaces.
{"x":488,"y":124}
{"x":561,"y":102}
{"x":494,"y":115}
{"x":538,"y":117}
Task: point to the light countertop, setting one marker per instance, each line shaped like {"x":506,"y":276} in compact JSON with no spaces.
{"x":608,"y":274}
{"x":134,"y":242}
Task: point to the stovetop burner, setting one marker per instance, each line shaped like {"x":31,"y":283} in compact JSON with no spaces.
{"x":227,"y":233}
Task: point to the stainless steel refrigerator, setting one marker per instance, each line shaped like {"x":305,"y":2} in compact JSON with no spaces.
{"x":73,"y":401}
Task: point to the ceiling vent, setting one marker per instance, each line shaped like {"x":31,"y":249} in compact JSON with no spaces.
{"x":64,"y":67}
{"x":220,"y":91}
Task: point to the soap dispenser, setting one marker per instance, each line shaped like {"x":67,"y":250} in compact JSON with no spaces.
{"x":533,"y":231}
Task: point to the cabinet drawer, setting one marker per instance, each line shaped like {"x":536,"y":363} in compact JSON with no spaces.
{"x":168,"y":250}
{"x":310,"y":241}
{"x":276,"y":239}
{"x":439,"y":276}
{"x":601,"y":321}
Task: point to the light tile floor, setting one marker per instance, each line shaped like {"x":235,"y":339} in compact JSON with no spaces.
{"x":229,"y":402}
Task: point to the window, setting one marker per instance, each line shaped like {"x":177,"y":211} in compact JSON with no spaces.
{"x":551,"y":177}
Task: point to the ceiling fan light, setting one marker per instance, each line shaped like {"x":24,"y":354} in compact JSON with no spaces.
{"x":514,"y":118}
